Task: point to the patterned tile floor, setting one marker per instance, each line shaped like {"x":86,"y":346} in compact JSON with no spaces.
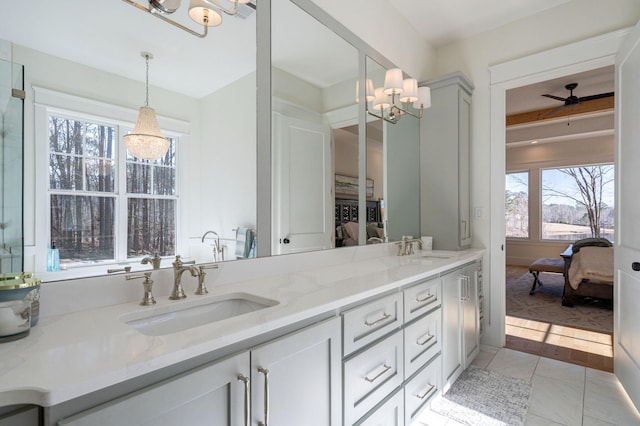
{"x":563,"y":393}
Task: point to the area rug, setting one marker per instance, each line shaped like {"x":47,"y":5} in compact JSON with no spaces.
{"x":546,"y":304}
{"x":482,"y":397}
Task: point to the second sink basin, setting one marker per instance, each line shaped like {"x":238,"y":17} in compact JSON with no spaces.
{"x":169,"y":319}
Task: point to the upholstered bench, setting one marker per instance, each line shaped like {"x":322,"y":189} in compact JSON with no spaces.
{"x":545,"y":264}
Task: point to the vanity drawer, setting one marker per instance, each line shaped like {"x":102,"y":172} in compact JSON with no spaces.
{"x":391,"y":413}
{"x":420,"y":389}
{"x":372,"y":375}
{"x":422,"y":341}
{"x":365,"y":324}
{"x":421,"y":298}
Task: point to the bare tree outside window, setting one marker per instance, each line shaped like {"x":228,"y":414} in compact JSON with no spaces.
{"x":517,"y":205}
{"x":578,"y":202}
{"x":84,"y":195}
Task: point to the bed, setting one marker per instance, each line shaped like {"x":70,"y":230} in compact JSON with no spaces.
{"x":347,"y":218}
{"x":588,"y":271}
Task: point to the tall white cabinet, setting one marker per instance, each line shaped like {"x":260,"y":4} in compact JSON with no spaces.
{"x":445,"y":136}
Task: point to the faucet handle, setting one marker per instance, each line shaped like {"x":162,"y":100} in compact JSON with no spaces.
{"x":180,"y":262}
{"x":147,"y":299}
{"x":202,"y":288}
{"x":125,"y":269}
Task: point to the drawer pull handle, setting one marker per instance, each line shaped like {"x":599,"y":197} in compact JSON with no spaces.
{"x":265,"y":372}
{"x":424,"y":299}
{"x":430,"y":389}
{"x":245,"y":380}
{"x":425,"y":341}
{"x":385,"y":368}
{"x":385,"y":316}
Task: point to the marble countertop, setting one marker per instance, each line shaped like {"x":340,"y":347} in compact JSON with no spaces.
{"x":73,"y":354}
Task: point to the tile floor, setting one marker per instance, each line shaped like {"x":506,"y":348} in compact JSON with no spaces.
{"x":563,"y":393}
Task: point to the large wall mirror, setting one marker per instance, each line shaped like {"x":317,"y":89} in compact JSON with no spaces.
{"x":333,"y":182}
{"x":315,"y":133}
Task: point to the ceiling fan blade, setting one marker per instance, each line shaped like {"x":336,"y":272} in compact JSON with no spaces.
{"x":592,"y":97}
{"x":558,"y":98}
{"x":553,"y":111}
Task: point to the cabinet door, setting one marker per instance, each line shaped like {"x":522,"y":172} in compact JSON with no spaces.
{"x":210,"y":395}
{"x":470,"y":314}
{"x":452,"y":361}
{"x":297,"y":380}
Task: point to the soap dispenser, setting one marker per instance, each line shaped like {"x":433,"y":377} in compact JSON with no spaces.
{"x":53,"y":258}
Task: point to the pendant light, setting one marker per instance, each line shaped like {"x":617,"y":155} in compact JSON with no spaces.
{"x":146,"y":140}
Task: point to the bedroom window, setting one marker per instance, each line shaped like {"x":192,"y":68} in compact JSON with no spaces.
{"x":517,"y":205}
{"x":104,"y":204}
{"x":577,"y":202}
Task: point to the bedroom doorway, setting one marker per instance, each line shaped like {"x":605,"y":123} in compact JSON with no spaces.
{"x":559,"y":158}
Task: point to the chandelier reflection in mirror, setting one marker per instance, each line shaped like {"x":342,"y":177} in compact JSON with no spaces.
{"x":398,"y":97}
{"x":207,"y":13}
{"x":146,"y":140}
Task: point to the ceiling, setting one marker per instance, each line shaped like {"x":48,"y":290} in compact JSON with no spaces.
{"x":529,"y":98}
{"x":110,"y":37}
{"x":446,"y":21}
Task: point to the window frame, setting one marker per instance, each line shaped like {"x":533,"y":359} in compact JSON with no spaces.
{"x":50,"y":102}
{"x":541,"y":172}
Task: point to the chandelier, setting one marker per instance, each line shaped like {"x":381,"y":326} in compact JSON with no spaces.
{"x":396,"y":98}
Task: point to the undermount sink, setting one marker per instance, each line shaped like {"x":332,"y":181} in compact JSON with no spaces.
{"x":183,"y":316}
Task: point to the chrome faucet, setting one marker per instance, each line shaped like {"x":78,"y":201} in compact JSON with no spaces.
{"x":218,"y":250}
{"x":405,"y":247}
{"x":154,"y":261}
{"x":178,"y":269}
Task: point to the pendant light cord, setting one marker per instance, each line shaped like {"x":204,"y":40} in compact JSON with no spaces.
{"x":146,"y":102}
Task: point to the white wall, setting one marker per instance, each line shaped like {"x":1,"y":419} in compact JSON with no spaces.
{"x":228,"y":159}
{"x":346,"y":159}
{"x":570,"y":22}
{"x":384,"y":29}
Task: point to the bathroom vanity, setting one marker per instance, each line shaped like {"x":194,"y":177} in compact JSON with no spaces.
{"x":366,"y":341}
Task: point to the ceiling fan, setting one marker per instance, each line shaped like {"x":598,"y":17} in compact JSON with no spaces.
{"x":572,"y":100}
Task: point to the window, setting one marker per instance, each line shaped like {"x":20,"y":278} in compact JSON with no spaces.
{"x":106,"y":205}
{"x":577,"y":202}
{"x":517,"y":205}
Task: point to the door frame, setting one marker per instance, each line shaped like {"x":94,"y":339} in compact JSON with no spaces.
{"x":573,"y":58}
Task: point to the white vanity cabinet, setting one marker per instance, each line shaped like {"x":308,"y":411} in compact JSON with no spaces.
{"x":297,"y":379}
{"x":213,"y":394}
{"x":392,"y":365}
{"x":445,"y":136}
{"x":461,"y":321}
{"x":294,"y":379}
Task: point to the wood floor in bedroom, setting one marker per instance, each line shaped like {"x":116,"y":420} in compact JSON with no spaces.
{"x":587,"y":348}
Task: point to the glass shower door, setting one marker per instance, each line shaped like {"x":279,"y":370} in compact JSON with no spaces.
{"x":11,"y":166}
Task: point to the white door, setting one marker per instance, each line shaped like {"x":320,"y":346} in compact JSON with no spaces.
{"x":302,"y":187}
{"x":627,"y":249}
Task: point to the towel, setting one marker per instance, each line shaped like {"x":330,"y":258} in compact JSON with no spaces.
{"x":244,"y":242}
{"x":593,"y":264}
